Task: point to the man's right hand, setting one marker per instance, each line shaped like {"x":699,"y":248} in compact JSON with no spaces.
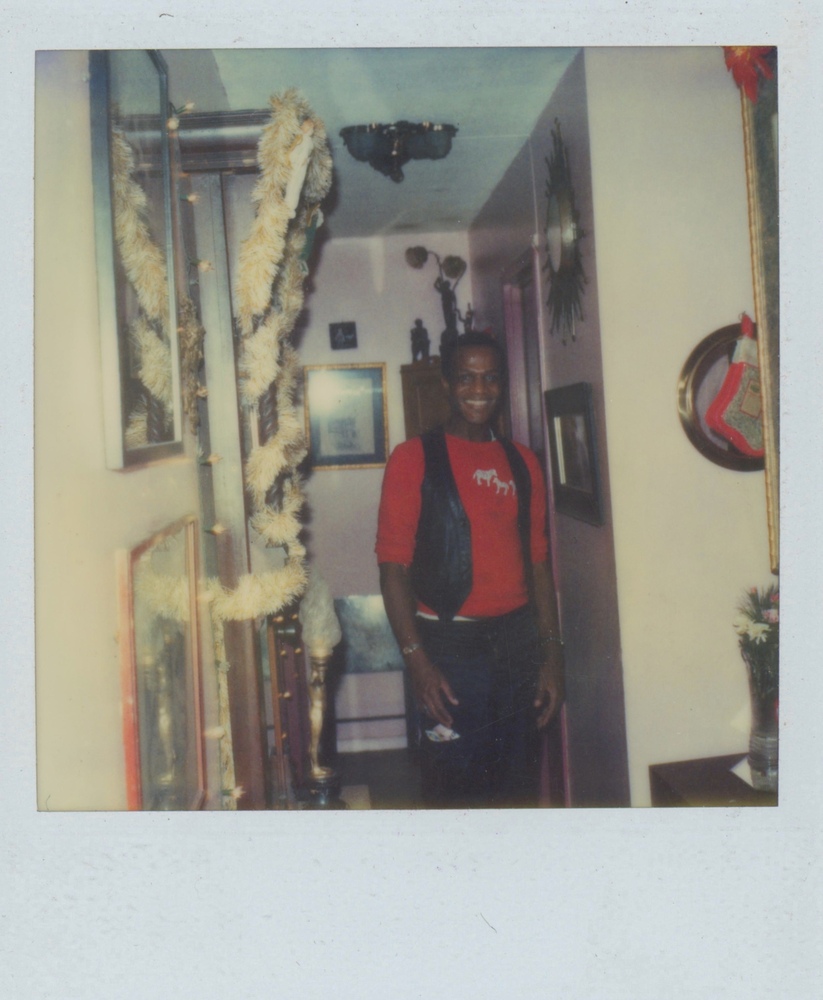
{"x":431,"y":689}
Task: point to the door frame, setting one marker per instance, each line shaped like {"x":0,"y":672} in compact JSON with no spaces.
{"x":554,"y":771}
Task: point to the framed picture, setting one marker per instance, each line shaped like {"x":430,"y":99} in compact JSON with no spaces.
{"x":133,"y":223}
{"x":160,"y":667}
{"x":342,"y":336}
{"x":572,"y":442}
{"x":346,"y":420}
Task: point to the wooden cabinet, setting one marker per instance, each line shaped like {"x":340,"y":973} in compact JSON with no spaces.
{"x":425,"y":404}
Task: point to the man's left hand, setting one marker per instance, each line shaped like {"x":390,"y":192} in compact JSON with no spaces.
{"x":550,"y":687}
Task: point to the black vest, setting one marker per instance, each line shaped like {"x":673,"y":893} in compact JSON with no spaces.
{"x":441,"y":571}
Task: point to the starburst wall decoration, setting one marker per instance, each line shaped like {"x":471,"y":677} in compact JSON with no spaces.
{"x":564,"y":264}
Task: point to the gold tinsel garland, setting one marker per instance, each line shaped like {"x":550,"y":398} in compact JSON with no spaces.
{"x":190,"y":334}
{"x":155,"y":360}
{"x":143,"y":261}
{"x":292,"y":155}
{"x":269,"y":297}
{"x":145,"y":267}
{"x":164,"y":595}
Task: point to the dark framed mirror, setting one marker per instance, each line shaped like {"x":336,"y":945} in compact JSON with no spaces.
{"x":131,"y":170}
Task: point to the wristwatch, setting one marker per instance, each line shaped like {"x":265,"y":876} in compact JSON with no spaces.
{"x":545,"y":639}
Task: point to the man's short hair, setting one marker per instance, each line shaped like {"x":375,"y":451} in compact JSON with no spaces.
{"x":448,"y":356}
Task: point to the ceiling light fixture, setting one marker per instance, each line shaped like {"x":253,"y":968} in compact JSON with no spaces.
{"x":388,"y":147}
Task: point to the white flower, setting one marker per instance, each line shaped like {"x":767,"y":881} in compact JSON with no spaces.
{"x":759,"y":632}
{"x":741,"y":624}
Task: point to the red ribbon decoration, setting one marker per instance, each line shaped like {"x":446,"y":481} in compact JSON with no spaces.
{"x":746,"y":64}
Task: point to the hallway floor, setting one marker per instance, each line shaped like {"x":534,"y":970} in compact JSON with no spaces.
{"x":391,"y":777}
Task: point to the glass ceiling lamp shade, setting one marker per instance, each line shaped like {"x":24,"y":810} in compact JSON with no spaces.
{"x":388,"y":148}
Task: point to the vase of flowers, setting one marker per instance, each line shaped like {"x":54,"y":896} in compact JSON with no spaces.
{"x":757,"y":626}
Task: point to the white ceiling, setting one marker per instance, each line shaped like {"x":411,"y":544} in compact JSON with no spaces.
{"x":493,"y":96}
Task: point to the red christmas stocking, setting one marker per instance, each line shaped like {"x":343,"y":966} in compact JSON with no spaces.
{"x":735,"y":412}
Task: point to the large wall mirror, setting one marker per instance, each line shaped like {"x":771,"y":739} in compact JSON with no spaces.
{"x":130,"y":117}
{"x":161,"y":664}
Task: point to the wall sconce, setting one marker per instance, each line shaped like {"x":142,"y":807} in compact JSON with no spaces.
{"x":388,"y":147}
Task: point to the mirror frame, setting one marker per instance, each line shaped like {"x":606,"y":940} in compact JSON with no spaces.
{"x":135,"y":727}
{"x":113,"y":331}
{"x":760,"y":143}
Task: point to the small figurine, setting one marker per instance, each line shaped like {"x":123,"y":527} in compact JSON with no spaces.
{"x":448,"y":300}
{"x":419,"y":341}
{"x":468,"y":319}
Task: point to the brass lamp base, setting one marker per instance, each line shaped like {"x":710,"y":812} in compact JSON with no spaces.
{"x":324,"y":790}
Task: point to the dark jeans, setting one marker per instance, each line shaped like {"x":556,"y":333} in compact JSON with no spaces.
{"x":492,"y":667}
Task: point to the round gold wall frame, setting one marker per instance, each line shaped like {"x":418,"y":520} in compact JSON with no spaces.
{"x":702,"y":364}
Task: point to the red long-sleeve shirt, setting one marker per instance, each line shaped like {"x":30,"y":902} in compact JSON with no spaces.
{"x":488,"y":494}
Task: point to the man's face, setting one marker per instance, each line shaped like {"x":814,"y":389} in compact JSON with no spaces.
{"x":477,"y":385}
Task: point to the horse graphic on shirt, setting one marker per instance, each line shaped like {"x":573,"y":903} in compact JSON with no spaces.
{"x":484,"y":476}
{"x":489,"y":477}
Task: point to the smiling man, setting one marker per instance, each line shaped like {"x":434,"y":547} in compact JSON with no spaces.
{"x":462,"y":548}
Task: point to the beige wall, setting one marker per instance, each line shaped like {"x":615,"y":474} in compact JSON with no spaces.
{"x":671,"y":232}
{"x":83,"y":512}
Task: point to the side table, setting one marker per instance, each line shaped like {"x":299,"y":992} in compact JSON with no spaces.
{"x":706,"y":782}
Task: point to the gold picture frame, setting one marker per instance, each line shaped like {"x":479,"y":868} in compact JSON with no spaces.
{"x":160,"y":670}
{"x":760,"y":141}
{"x":346,"y":416}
